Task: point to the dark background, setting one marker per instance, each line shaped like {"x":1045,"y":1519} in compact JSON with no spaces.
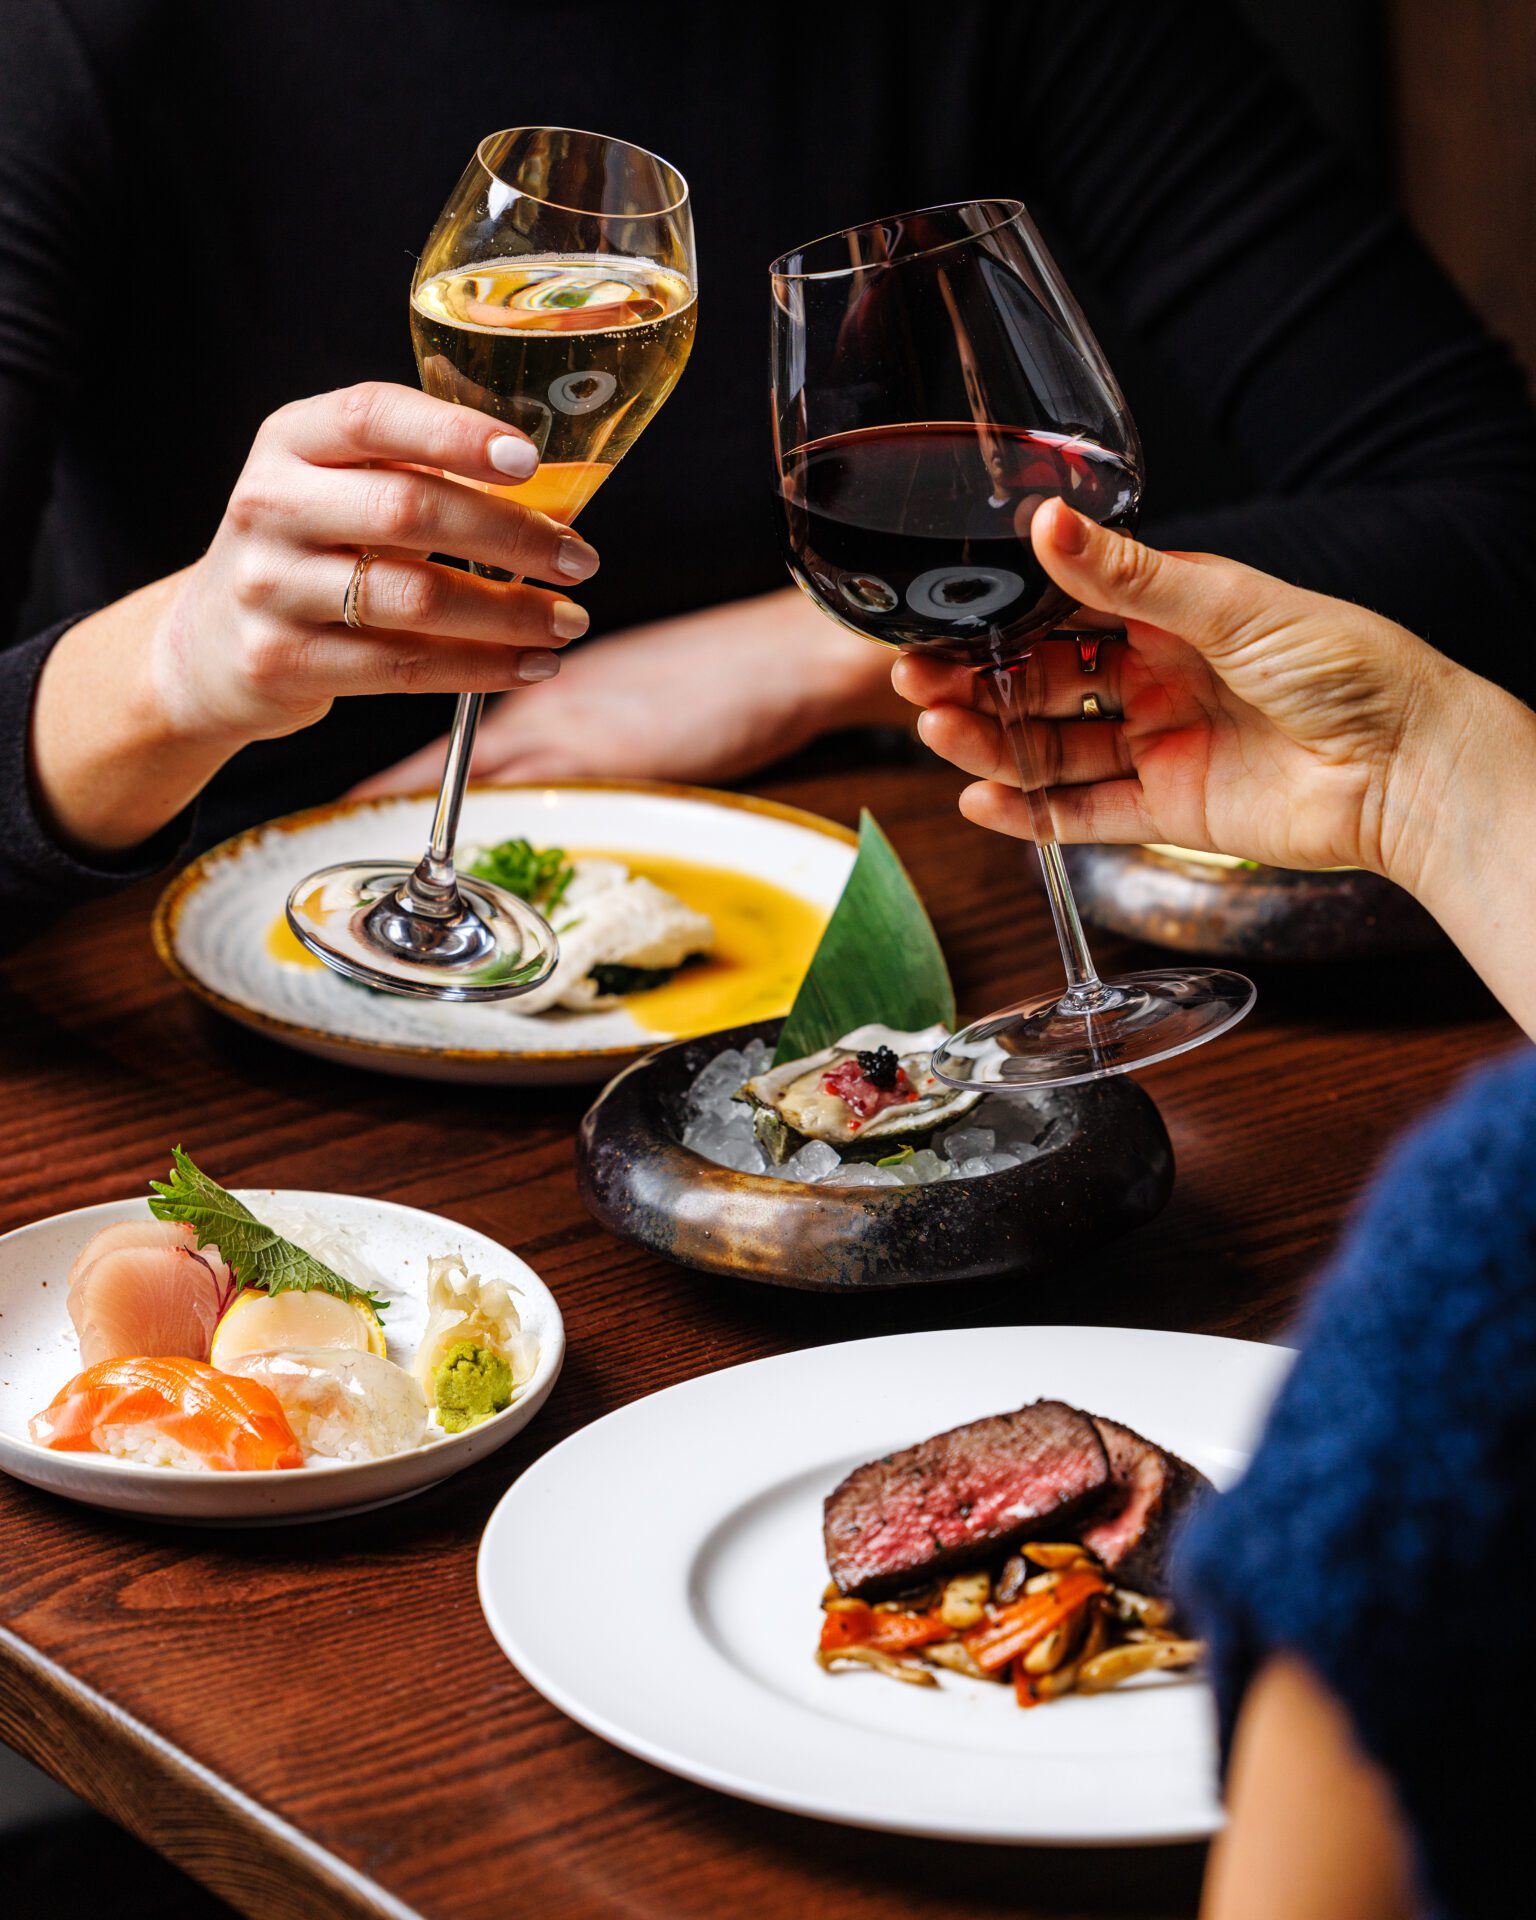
{"x":1435,"y":100}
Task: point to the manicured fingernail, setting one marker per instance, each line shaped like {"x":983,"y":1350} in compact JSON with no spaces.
{"x":514,"y":457}
{"x":923,"y":720}
{"x":1069,"y":530}
{"x":574,"y":558}
{"x":567,"y":620}
{"x":538,"y":666}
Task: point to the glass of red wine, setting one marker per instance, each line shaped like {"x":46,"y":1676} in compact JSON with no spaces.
{"x":933,"y":384}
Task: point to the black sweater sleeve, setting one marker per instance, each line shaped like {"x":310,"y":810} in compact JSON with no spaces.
{"x":1383,"y":445}
{"x":55,"y":162}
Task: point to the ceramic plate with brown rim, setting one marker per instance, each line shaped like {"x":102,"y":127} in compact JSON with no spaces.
{"x":766,"y":875}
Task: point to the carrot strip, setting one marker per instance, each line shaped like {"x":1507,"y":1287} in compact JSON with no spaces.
{"x":885,"y":1632}
{"x":1024,"y":1688}
{"x":1016,"y":1628}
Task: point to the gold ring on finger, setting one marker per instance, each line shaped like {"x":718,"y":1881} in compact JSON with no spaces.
{"x":1095,"y":709}
{"x":351,"y":600}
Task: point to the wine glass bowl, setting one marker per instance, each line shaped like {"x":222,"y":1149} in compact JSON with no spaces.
{"x":556,"y":293}
{"x":934,"y":383}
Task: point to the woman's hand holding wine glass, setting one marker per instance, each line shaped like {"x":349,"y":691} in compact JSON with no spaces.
{"x":249,"y":642}
{"x":1249,"y":717}
{"x":1267,"y":722}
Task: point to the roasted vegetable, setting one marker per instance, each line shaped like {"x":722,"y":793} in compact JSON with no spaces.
{"x":1050,"y":1624}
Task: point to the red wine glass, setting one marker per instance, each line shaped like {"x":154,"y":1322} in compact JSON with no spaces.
{"x":933,"y":384}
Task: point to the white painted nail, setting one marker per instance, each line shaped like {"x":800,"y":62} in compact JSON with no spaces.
{"x":568,"y":621}
{"x":538,"y":666}
{"x":574,"y":558}
{"x":514,"y":457}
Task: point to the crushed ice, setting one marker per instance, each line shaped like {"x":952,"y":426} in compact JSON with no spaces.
{"x":1003,"y":1130}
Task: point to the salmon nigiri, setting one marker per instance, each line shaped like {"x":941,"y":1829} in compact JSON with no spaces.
{"x":145,"y":1287}
{"x":169,"y":1411}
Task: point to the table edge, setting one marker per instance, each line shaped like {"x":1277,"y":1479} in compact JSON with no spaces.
{"x":229,"y":1842}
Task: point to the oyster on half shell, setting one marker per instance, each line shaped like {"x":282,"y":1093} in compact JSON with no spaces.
{"x":863,"y":1119}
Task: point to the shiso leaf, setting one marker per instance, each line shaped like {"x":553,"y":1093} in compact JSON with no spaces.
{"x":879,"y":959}
{"x":258,"y":1256}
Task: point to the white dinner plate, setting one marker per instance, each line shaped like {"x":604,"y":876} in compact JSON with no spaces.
{"x":658,"y":1577}
{"x":39,"y":1354}
{"x":212,"y":923}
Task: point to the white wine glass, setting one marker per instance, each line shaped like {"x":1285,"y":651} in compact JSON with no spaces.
{"x":558,"y":293}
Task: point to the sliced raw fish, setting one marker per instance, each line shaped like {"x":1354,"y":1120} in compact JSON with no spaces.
{"x":131,"y":1233}
{"x":143,"y":1287}
{"x":169,"y":1411}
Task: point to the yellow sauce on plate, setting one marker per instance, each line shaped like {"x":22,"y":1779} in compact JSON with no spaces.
{"x":764,"y":939}
{"x":283,"y":944}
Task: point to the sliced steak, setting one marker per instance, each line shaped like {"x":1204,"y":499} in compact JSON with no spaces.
{"x":1131,"y":1529}
{"x":963,"y":1496}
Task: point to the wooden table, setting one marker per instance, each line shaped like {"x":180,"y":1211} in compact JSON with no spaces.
{"x":316,"y":1721}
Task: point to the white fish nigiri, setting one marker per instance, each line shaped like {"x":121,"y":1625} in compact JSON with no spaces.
{"x":342,"y":1404}
{"x":144,"y":1289}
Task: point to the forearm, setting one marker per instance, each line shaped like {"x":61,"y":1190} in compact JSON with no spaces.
{"x":1465,"y":844}
{"x":840,"y":679}
{"x":108,"y":766}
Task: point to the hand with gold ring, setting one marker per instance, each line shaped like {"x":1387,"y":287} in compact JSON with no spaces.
{"x":1236,"y":714}
{"x":318,"y":584}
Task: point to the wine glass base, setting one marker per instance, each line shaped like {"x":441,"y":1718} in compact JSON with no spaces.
{"x":1135,"y":1020}
{"x":360,"y":919}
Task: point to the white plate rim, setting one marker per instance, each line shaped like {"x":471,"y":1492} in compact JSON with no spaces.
{"x":358,"y":1483}
{"x":741,"y":1784}
{"x":179,"y":890}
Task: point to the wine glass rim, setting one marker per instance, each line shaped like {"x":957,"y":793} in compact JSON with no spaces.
{"x":591,"y":213}
{"x":1010,"y":210}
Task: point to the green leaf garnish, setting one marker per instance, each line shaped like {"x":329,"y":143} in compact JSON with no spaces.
{"x":539,"y":877}
{"x":258,"y":1256}
{"x":895,"y":1159}
{"x":879,"y":959}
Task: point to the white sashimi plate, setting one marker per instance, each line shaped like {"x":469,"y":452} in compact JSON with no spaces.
{"x":212,"y":922}
{"x":39,"y":1355}
{"x":707,"y":1500}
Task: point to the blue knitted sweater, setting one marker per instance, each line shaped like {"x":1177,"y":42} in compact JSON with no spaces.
{"x":1386,"y":1529}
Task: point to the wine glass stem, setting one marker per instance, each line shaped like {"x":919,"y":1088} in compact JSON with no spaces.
{"x":1085,"y":991}
{"x":434,"y":886}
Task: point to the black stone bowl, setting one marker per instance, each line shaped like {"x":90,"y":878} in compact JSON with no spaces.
{"x":1106,"y":1166}
{"x":1247,"y":913}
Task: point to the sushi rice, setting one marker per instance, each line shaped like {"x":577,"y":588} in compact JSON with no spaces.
{"x":342,"y":1404}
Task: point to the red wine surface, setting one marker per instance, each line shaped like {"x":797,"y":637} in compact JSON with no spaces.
{"x":919,"y":535}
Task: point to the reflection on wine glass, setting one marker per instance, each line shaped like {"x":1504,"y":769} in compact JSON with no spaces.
{"x":557,"y":292}
{"x":933,"y":384}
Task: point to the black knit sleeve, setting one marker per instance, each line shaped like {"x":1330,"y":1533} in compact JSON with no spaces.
{"x":1382,"y":442}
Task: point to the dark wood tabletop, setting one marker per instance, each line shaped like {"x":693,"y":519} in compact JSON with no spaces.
{"x":315,"y":1720}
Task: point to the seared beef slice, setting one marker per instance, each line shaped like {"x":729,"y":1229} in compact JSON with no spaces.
{"x":1131,"y":1529}
{"x":963,"y":1496}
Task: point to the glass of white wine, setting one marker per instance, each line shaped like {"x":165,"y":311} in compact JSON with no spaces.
{"x":556,"y":292}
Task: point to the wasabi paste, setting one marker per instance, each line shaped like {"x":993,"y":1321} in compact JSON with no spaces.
{"x":470,"y":1384}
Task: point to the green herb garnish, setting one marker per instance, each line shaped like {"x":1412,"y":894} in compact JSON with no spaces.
{"x":895,"y":1159}
{"x":539,"y":877}
{"x":258,"y":1256}
{"x":879,"y":959}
